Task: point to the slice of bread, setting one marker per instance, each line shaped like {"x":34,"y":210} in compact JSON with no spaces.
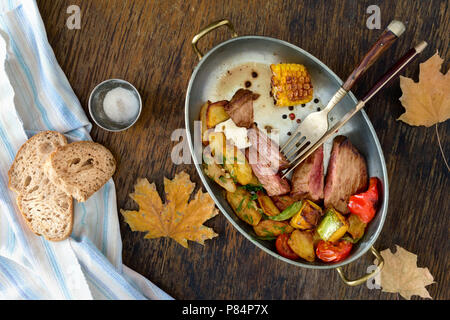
{"x":80,"y":168}
{"x":26,"y":171}
{"x":46,"y":208}
{"x":48,"y":211}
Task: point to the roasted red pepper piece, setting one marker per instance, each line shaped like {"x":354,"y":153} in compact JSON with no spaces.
{"x":333,"y":251}
{"x":364,"y":205}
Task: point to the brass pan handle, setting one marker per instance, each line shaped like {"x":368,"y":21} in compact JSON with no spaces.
{"x":208,"y":29}
{"x":363,"y":279}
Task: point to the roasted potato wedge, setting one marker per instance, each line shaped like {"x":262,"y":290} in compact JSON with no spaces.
{"x":270,"y":228}
{"x":216,"y":114}
{"x":203,"y":111}
{"x":244,"y":207}
{"x":269,"y":208}
{"x":356,"y":227}
{"x":254,"y":181}
{"x":231,"y":157}
{"x":218,"y":174}
{"x":316,"y":237}
{"x":302,"y":243}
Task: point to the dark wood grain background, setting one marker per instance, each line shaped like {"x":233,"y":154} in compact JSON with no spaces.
{"x":148,"y":44}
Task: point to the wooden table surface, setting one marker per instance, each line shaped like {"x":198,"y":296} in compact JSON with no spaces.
{"x":148,"y":44}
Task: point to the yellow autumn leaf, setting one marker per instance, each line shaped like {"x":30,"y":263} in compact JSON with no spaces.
{"x":426,"y":102}
{"x":401,"y":274}
{"x":177,"y":218}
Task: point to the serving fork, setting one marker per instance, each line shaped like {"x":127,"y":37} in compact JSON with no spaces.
{"x":315,"y":125}
{"x":383,"y":81}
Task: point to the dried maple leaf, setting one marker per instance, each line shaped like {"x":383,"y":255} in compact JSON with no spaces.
{"x":401,"y":274}
{"x":427,"y":102}
{"x":177,"y":219}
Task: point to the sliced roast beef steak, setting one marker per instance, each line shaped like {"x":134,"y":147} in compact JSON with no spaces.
{"x":267,"y":176}
{"x":308,"y":177}
{"x":240,"y":108}
{"x":268,"y":150}
{"x":272,"y":183}
{"x":346,"y":174}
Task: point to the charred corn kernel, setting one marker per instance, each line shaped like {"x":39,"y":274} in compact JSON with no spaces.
{"x":307,"y":217}
{"x":291,"y":84}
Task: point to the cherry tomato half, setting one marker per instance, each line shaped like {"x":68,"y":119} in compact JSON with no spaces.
{"x":283,"y":247}
{"x":333,"y":251}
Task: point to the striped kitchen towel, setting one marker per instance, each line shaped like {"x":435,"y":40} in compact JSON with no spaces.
{"x":34,"y":96}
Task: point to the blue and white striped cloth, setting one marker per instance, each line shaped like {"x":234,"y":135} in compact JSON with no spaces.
{"x":34,"y":96}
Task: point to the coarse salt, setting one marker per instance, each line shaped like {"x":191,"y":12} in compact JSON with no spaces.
{"x":121,"y":105}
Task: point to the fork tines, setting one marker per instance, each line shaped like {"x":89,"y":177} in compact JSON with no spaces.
{"x":295,"y":150}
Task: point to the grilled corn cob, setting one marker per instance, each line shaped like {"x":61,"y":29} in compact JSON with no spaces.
{"x":291,"y":84}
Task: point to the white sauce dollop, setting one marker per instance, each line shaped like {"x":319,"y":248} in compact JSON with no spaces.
{"x":234,"y":133}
